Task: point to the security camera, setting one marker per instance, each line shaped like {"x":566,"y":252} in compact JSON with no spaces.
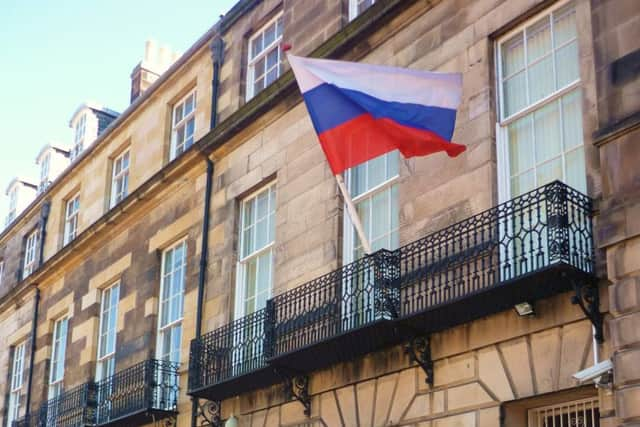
{"x":594,"y":373}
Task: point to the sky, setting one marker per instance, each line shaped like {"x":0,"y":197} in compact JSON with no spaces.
{"x":57,"y":54}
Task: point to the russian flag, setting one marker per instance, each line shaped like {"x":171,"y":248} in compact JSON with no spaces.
{"x":362,"y":111}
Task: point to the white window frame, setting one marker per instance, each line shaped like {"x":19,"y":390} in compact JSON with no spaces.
{"x":58,"y":353}
{"x":13,"y":205}
{"x":15,"y":387}
{"x":30,"y":254}
{"x":71,"y":217}
{"x":179,"y":147}
{"x":163,"y":329}
{"x":80,"y":130}
{"x":103,"y":360}
{"x":535,"y":416}
{"x":243,"y":260}
{"x":251,"y":61}
{"x":504,"y":167}
{"x":353,"y":9}
{"x":120,"y":178}
{"x":349,"y":231}
{"x":44,"y":171}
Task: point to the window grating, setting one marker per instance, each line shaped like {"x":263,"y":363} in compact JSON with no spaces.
{"x":579,"y":413}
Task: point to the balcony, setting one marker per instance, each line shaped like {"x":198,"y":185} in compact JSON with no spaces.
{"x":531,"y":247}
{"x":75,"y":407}
{"x":142,"y":393}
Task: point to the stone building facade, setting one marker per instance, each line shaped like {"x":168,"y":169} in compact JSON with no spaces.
{"x":213,"y":275}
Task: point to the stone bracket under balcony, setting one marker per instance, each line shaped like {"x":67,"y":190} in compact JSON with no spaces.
{"x":526,"y":249}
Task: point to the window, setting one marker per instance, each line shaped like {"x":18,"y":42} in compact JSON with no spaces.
{"x":59,"y":347}
{"x":580,"y":413}
{"x":183,"y":125}
{"x":13,"y":205}
{"x":264,"y":57}
{"x":44,"y":171}
{"x":540,"y":121}
{"x":107,"y":332}
{"x":78,"y":140}
{"x":171,"y":302}
{"x":375,"y":194}
{"x":71,"y":219}
{"x":120,"y":179}
{"x":30,"y":254}
{"x":13,"y":412}
{"x":257,"y":236}
{"x":356,"y":7}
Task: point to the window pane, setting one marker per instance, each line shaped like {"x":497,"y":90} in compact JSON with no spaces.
{"x":541,"y":81}
{"x":549,"y":171}
{"x":380,"y":215}
{"x":547,"y":132}
{"x":377,"y":171}
{"x":251,"y":278}
{"x":270,"y":34}
{"x":256,"y":46}
{"x":520,"y":184}
{"x":258,"y":86}
{"x":538,"y":39}
{"x":564,"y":25}
{"x":567,"y":66}
{"x":576,"y":176}
{"x":572,"y":119}
{"x":512,"y":55}
{"x":264,"y":272}
{"x":515,"y":94}
{"x":521,"y":145}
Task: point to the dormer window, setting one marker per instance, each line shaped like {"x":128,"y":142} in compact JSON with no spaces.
{"x":44,"y":172}
{"x":13,"y":205}
{"x":78,"y":140}
{"x":356,"y":7}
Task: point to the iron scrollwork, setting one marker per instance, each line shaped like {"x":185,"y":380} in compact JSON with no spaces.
{"x":419,"y":351}
{"x":297,"y":387}
{"x":209,"y":413}
{"x":587,"y":298}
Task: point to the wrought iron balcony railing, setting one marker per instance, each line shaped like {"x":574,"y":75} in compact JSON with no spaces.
{"x":73,"y":408}
{"x":528,"y":248}
{"x":149,"y":388}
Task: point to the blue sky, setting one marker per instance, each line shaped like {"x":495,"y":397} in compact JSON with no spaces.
{"x":56,"y":54}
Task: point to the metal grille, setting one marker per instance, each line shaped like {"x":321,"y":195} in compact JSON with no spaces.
{"x":73,"y":408}
{"x":346,"y":299}
{"x":581,"y":413}
{"x":151,"y":385}
{"x":232,"y":350}
{"x":548,"y":225}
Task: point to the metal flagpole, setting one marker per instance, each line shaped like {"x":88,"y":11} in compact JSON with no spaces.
{"x":353,"y":214}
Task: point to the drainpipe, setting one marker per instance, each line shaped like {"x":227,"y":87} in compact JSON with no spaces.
{"x":44,"y":217}
{"x":217,"y":57}
{"x":34,"y":326}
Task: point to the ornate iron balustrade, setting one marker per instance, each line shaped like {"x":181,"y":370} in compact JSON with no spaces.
{"x":73,"y":408}
{"x":543,"y":230}
{"x":528,"y":248}
{"x":341,"y":304}
{"x":229,"y":352}
{"x":147,"y":388}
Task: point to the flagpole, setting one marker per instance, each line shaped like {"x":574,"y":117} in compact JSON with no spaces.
{"x":353,"y":214}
